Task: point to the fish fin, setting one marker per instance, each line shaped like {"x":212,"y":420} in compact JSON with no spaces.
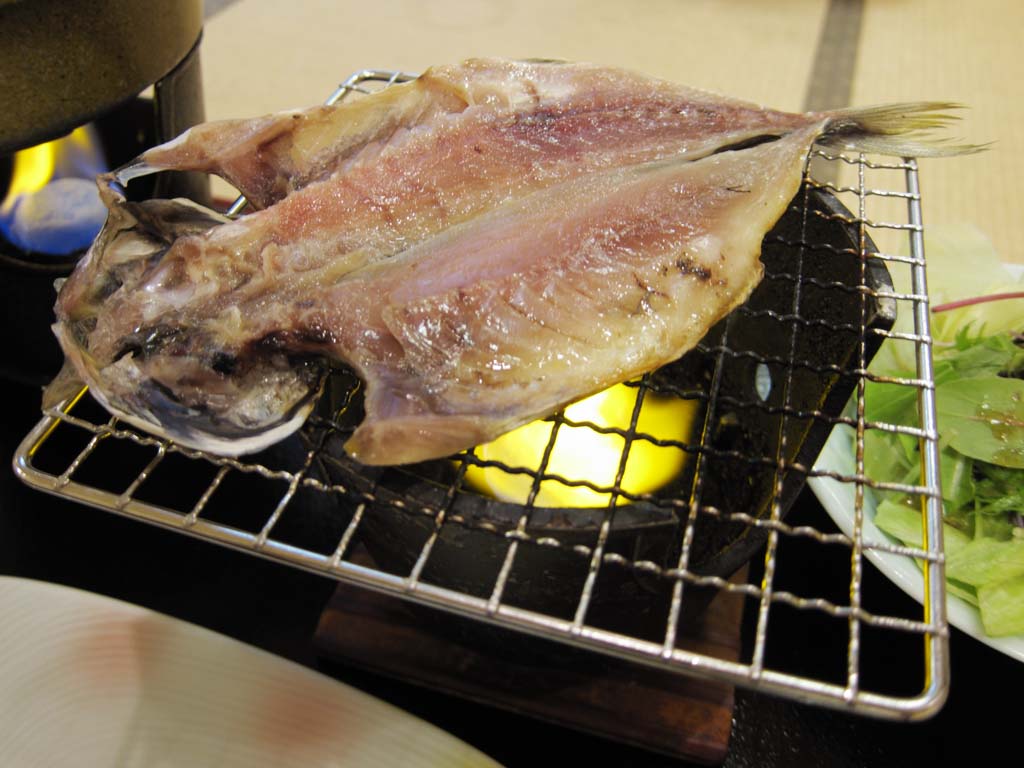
{"x":401,"y":427}
{"x":903,"y":130}
{"x":203,"y":146}
{"x":421,"y":437}
{"x":65,"y":385}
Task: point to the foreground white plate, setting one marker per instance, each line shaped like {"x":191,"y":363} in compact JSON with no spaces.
{"x":838,"y":500}
{"x":89,"y":681}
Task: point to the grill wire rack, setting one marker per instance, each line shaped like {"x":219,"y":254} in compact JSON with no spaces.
{"x":307,"y":506}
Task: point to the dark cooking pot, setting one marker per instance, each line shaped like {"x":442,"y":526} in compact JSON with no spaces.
{"x":812,"y":271}
{"x":65,"y":62}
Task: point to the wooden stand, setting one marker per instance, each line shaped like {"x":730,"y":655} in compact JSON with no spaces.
{"x":685,"y":717}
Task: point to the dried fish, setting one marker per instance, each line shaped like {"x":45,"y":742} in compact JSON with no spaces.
{"x":482,"y":245}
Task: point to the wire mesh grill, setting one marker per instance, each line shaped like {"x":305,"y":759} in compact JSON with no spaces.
{"x":742,"y":419}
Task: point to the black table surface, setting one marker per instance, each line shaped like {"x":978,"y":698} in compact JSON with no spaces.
{"x":276,"y":608}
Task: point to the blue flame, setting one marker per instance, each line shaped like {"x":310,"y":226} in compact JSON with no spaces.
{"x":52,"y":206}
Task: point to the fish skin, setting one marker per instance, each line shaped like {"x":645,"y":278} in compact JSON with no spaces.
{"x":478,"y":265}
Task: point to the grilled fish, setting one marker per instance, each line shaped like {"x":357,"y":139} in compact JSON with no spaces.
{"x":482,"y":245}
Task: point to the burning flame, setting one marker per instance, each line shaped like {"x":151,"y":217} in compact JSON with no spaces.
{"x":584,"y":454}
{"x":33,"y":167}
{"x":51,"y":204}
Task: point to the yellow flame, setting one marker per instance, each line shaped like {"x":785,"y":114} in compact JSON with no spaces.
{"x":36,"y":166}
{"x":33,"y":168}
{"x":581,"y":453}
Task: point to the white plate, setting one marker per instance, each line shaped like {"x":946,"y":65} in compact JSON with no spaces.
{"x":86,"y":680}
{"x":838,"y":500}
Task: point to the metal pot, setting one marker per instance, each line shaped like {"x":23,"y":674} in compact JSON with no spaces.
{"x":65,"y":62}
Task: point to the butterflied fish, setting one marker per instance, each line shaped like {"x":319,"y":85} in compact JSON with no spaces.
{"x":482,"y":245}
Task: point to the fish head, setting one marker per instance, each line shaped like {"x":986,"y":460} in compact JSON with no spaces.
{"x":202,"y":400}
{"x":122,"y":335}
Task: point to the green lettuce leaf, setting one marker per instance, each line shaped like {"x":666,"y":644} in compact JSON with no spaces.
{"x":999,"y":490}
{"x":984,"y":418}
{"x":986,"y":561}
{"x":958,"y":486}
{"x":903,"y":522}
{"x":1000,"y":605}
{"x":981,"y":356}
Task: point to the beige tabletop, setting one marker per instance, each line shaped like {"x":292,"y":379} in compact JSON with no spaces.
{"x":263,"y":56}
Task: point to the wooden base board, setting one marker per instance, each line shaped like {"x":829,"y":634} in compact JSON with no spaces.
{"x":682,"y":716}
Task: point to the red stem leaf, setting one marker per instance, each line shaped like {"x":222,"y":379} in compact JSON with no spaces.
{"x":977,"y":300}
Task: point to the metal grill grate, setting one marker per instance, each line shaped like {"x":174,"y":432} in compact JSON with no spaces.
{"x":763,"y":391}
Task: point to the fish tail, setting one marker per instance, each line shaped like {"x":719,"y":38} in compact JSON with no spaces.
{"x":904,"y":130}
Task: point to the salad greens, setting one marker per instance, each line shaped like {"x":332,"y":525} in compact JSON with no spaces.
{"x":978,"y":358}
